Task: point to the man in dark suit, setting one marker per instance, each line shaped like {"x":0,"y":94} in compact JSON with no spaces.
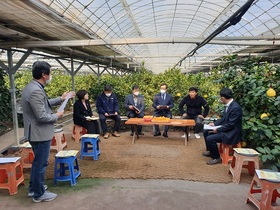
{"x":134,"y":104}
{"x":108,"y":107}
{"x":162,"y":104}
{"x":230,"y":129}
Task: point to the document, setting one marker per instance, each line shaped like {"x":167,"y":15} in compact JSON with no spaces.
{"x":92,"y":118}
{"x":90,"y":135}
{"x":273,"y":176}
{"x":66,"y":153}
{"x":246,"y":151}
{"x":136,"y":109}
{"x":209,"y":127}
{"x":9,"y":160}
{"x":62,"y":107}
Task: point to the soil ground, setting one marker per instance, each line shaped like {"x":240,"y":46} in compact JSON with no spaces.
{"x":149,"y":158}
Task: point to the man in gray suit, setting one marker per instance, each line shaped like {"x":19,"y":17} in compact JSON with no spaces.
{"x":135,"y":105}
{"x":39,"y":127}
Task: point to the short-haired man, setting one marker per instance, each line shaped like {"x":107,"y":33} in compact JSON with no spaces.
{"x":39,"y":127}
{"x":135,"y":105}
{"x":162,"y":104}
{"x":230,"y":131}
{"x":108,"y":107}
{"x":194,"y":104}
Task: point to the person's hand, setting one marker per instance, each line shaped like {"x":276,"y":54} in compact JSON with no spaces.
{"x":130,"y":107}
{"x":116,"y":113}
{"x":167,"y":107}
{"x":60,"y":114}
{"x":184,"y":115}
{"x":200,"y":116}
{"x":65,"y":94}
{"x":158,"y":107}
{"x":106,"y":114}
{"x":211,"y":124}
{"x":215,"y":131}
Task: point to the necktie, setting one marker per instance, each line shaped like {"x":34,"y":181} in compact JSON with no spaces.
{"x":163,"y":96}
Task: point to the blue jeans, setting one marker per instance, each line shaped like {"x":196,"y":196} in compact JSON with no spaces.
{"x":41,"y":155}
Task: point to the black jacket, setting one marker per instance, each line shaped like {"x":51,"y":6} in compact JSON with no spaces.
{"x":194,"y":106}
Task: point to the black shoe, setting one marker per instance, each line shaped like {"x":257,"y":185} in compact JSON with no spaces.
{"x":140,"y":133}
{"x":206,"y":154}
{"x":165,"y":134}
{"x":157,"y":133}
{"x":131,"y":134}
{"x":214,"y":161}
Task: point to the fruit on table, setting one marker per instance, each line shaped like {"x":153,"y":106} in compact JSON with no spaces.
{"x":161,"y":119}
{"x":270,"y":92}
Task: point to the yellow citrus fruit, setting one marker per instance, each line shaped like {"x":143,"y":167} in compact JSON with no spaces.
{"x":270,"y":92}
{"x":243,"y":144}
{"x":205,"y":96}
{"x":268,"y":114}
{"x":178,"y":94}
{"x":263,"y":115}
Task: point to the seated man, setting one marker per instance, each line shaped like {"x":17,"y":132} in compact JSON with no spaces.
{"x":108,"y":107}
{"x":194,"y":104}
{"x":230,"y":130}
{"x":162,"y":104}
{"x":134,"y":104}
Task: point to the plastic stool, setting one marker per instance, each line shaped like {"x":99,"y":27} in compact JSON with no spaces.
{"x":238,"y":163}
{"x":77,"y":132}
{"x":59,"y":140}
{"x":268,"y":191}
{"x":27,"y":157}
{"x":226,"y":152}
{"x":11,"y":175}
{"x":89,"y":146}
{"x":66,"y":169}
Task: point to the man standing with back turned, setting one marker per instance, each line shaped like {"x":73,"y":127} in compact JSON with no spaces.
{"x":39,"y":127}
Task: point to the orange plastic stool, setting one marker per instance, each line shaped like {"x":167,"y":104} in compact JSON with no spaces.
{"x":78,"y":131}
{"x":27,"y":157}
{"x":226,"y":152}
{"x":239,"y":161}
{"x":58,"y":141}
{"x":268,"y":191}
{"x":11,"y":175}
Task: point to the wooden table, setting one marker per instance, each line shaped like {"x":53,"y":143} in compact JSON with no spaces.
{"x":173,"y":122}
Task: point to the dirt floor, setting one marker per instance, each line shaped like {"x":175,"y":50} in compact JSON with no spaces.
{"x":149,"y":158}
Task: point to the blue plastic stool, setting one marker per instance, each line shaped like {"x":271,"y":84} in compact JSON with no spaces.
{"x":66,"y":169}
{"x":89,"y":147}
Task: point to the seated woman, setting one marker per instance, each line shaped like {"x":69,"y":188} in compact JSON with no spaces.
{"x":82,"y":110}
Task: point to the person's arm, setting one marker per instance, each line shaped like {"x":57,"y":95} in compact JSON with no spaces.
{"x":116,"y":104}
{"x":155,"y":102}
{"x":170,"y":103}
{"x":99,"y":105}
{"x":38,"y":105}
{"x":234,"y":116}
{"x":89,"y":108}
{"x":77,"y":112}
{"x":126,"y":103}
{"x":181,"y":106}
{"x":142,"y":104}
{"x":206,"y":108}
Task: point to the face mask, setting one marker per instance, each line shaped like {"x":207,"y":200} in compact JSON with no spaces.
{"x":49,"y":80}
{"x":108,"y":94}
{"x":162,"y":91}
{"x":136,"y":93}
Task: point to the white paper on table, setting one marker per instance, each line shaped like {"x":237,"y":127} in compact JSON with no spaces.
{"x":9,"y":160}
{"x":62,"y":107}
{"x":209,"y":127}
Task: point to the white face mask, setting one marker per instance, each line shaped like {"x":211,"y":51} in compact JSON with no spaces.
{"x":162,"y":91}
{"x":136,"y":93}
{"x":108,"y":94}
{"x":49,"y":80}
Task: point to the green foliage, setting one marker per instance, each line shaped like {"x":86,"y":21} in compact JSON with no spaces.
{"x":5,"y":105}
{"x":250,"y":81}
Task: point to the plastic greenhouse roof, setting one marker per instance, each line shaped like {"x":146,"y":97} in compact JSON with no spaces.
{"x":159,"y":33}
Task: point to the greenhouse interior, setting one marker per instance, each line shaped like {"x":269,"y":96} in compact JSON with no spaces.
{"x":208,"y":45}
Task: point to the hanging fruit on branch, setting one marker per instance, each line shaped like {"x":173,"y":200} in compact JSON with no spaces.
{"x":270,"y":92}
